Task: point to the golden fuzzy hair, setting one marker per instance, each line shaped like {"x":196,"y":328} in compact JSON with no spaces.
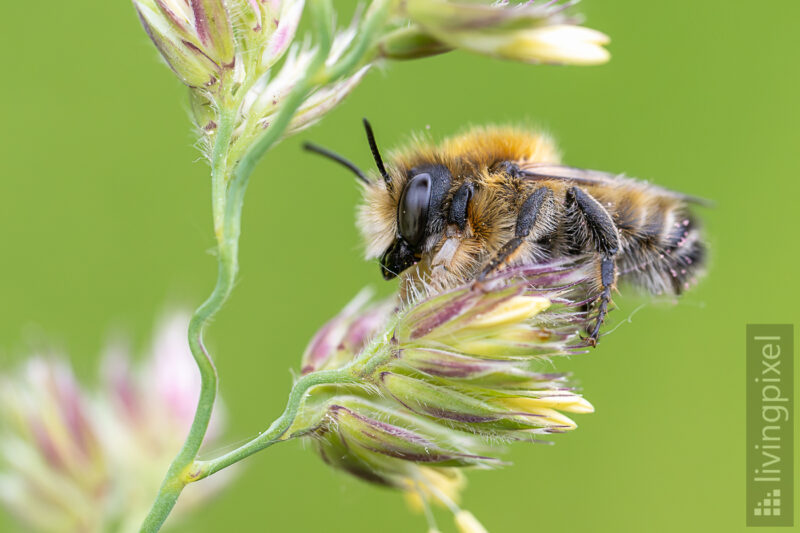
{"x":658,"y":242}
{"x":469,"y":154}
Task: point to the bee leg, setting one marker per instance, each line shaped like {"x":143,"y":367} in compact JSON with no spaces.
{"x":607,"y":275}
{"x":605,"y":237}
{"x":459,"y":205}
{"x":528,"y":215}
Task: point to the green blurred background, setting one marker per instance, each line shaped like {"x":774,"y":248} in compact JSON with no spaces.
{"x":106,"y":222}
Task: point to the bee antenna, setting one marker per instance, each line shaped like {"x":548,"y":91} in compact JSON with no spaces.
{"x":375,"y":153}
{"x":339,"y":159}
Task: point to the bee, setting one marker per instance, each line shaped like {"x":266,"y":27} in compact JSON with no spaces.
{"x":494,"y":197}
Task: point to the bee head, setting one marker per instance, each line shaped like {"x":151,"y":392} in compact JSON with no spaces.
{"x":419,"y":217}
{"x":402,"y":212}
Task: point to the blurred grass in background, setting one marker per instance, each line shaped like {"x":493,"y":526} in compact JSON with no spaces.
{"x":106,"y":222}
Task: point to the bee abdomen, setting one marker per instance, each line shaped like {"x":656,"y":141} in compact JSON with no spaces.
{"x":665,"y":254}
{"x":684,"y":255}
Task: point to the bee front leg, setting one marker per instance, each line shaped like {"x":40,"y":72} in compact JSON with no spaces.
{"x":604,"y":235}
{"x":529,"y":214}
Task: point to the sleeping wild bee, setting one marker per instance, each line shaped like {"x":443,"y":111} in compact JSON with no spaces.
{"x":494,"y":197}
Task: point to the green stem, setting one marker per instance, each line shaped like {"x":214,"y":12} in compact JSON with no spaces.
{"x":229,"y":200}
{"x":226,"y":275}
{"x":355,"y":372}
{"x":277,"y":429}
{"x":219,"y":168}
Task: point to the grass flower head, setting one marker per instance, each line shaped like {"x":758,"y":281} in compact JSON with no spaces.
{"x":446,"y":378}
{"x":79,"y":459}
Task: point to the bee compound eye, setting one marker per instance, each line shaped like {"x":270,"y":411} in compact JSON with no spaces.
{"x":412,"y":212}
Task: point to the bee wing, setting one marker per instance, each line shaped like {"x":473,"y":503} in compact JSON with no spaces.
{"x":582,"y":176}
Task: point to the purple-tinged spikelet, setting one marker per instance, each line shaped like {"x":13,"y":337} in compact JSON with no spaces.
{"x":444,"y":379}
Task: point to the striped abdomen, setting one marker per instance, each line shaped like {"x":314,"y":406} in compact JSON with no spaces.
{"x":661,"y":243}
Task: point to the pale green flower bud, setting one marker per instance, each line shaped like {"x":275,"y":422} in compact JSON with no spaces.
{"x":213,"y":29}
{"x":492,"y":412}
{"x":206,"y":40}
{"x":463,"y":368}
{"x":376,"y":428}
{"x":478,"y":317}
{"x":322,"y":101}
{"x":264,"y":100}
{"x":559,"y":44}
{"x":194,"y":38}
{"x":410,"y":42}
{"x":445,"y":402}
{"x":529,"y":32}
